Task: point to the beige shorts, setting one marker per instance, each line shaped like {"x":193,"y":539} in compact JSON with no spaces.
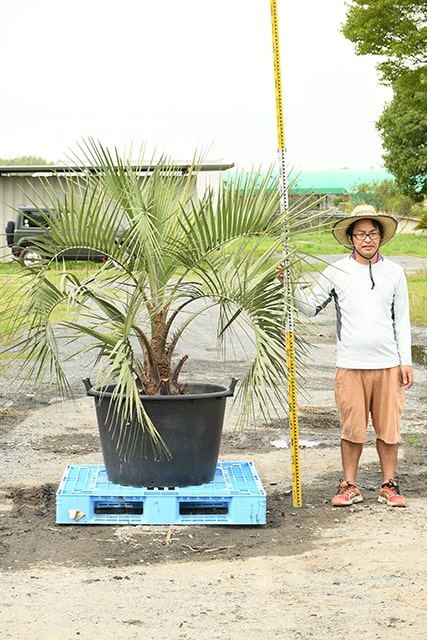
{"x":360,"y":392}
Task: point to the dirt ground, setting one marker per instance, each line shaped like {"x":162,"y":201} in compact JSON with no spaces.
{"x":312,"y":571}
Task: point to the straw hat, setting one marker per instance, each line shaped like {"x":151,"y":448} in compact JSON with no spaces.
{"x":364,"y":212}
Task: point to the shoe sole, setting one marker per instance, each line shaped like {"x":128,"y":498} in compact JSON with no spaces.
{"x":384,"y":500}
{"x":354,"y":500}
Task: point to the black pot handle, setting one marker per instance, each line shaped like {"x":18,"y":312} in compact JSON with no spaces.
{"x":233,"y":383}
{"x":88,"y":385}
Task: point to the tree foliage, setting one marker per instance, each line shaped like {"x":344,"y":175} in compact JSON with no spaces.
{"x":396,"y":29}
{"x":384,"y":196}
{"x":23,"y":161}
{"x":403,"y":128}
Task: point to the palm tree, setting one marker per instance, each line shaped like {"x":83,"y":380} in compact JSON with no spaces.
{"x":169,"y":255}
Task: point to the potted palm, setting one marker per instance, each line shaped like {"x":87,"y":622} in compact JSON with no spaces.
{"x":168,"y":256}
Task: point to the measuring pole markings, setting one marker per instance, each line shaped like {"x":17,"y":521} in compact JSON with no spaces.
{"x":284,"y":205}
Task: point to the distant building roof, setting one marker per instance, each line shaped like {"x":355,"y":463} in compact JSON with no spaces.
{"x":336,"y":181}
{"x":326,"y":181}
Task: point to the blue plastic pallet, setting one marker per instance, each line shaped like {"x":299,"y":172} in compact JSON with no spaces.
{"x":235,"y":496}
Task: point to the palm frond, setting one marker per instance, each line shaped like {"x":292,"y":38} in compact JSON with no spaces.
{"x":171,"y":254}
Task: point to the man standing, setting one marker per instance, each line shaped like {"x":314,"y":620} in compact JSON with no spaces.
{"x":373,"y":357}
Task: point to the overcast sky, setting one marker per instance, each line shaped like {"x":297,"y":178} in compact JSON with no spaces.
{"x":186,"y":74}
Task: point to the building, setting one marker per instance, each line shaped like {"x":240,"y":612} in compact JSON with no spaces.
{"x":19,"y":186}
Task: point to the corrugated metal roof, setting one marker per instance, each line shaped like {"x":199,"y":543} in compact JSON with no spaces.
{"x":49,"y":169}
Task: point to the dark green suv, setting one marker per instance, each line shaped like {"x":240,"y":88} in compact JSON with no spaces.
{"x":26,"y":237}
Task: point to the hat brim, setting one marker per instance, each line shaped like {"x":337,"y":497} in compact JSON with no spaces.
{"x":339,"y":230}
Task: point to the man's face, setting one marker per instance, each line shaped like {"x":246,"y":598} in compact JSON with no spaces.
{"x":366,"y":238}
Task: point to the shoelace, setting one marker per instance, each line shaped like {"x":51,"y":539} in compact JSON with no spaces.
{"x":344,"y":488}
{"x":391,"y":485}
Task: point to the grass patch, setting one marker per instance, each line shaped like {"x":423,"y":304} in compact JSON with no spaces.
{"x":313,"y":242}
{"x":317,"y":243}
{"x":417,"y":287}
{"x":407,"y":244}
{"x":12,"y":288}
{"x":8,"y":267}
{"x":415,"y":439}
{"x":10,"y":291}
{"x":321,"y":242}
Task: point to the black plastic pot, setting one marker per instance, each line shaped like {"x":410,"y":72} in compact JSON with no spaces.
{"x":190,"y":424}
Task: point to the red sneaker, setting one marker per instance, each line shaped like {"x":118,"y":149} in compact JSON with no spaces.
{"x":346,"y":495}
{"x":391,"y":495}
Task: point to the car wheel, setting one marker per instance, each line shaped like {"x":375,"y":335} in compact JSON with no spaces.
{"x":10,"y":231}
{"x":31,"y":256}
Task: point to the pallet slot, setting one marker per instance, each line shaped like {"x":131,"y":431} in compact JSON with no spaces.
{"x":196,"y":508}
{"x":131,"y":508}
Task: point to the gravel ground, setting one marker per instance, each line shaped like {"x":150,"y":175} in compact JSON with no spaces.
{"x":312,"y":572}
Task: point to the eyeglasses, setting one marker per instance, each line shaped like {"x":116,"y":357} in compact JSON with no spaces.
{"x":361,"y":235}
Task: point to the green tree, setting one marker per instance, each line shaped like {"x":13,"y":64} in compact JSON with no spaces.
{"x":403,"y":128}
{"x":384,"y":196}
{"x":423,"y":222}
{"x":23,"y":161}
{"x":393,"y":200}
{"x":395,"y":29}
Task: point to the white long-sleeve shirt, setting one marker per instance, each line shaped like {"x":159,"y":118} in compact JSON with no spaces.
{"x":373,"y":325}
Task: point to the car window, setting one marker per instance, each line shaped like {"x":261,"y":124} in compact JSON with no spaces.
{"x":33,"y":220}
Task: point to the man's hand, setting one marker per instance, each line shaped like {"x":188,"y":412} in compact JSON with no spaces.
{"x":406,"y":377}
{"x":281,"y":274}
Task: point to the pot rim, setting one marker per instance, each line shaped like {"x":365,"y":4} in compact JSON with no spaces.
{"x":219,"y":391}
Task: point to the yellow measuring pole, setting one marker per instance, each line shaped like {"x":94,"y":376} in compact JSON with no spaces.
{"x":284,"y":206}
